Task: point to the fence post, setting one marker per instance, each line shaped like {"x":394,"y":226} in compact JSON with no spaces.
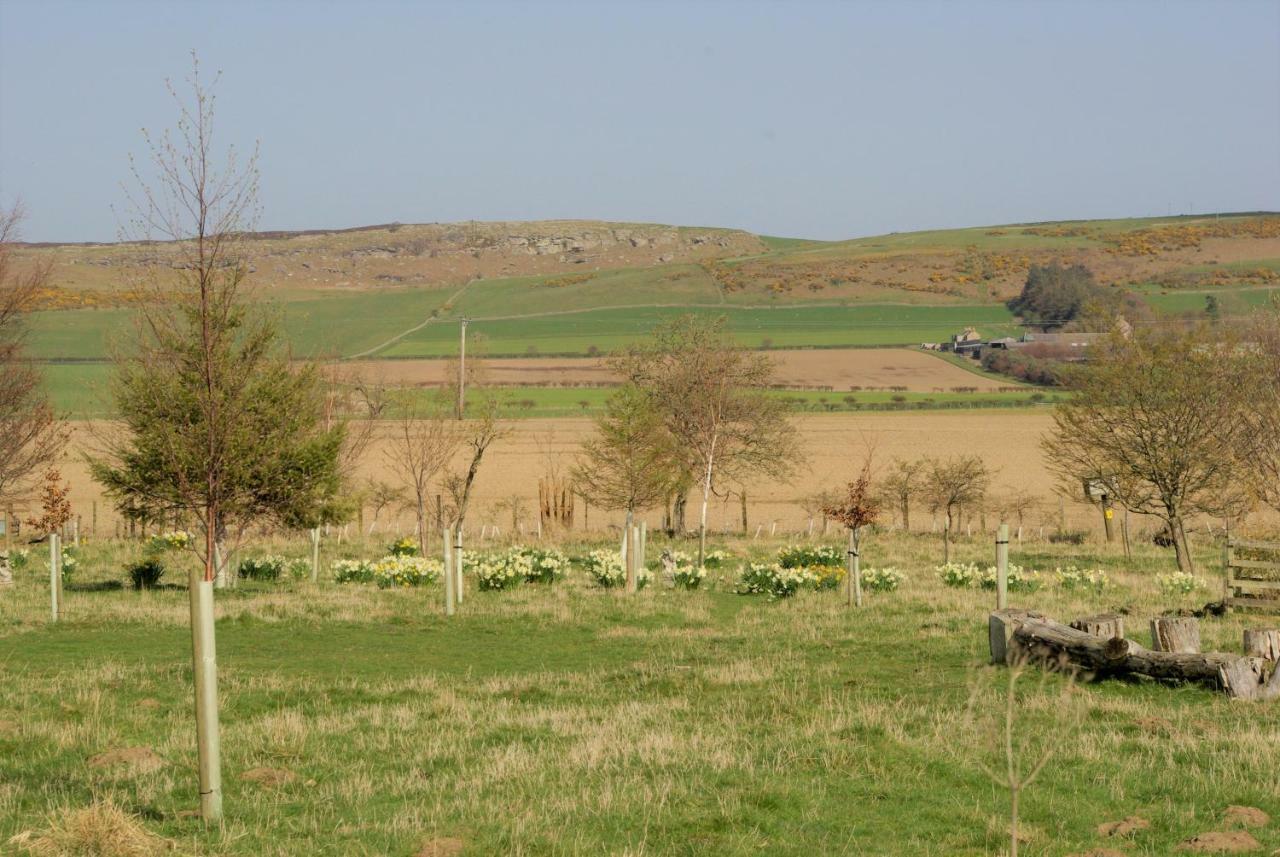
{"x":55,"y":575}
{"x":449,"y":579}
{"x":457,"y":562}
{"x":854,"y":584}
{"x":644,"y":544}
{"x":1124,"y":532}
{"x":1002,"y":567}
{"x":315,"y":554}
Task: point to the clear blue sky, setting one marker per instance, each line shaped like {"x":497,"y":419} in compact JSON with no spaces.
{"x":824,"y":120}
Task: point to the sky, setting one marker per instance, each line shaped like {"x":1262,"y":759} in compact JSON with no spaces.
{"x":811,"y":119}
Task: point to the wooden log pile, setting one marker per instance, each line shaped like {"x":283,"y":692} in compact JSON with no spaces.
{"x":1020,"y":636}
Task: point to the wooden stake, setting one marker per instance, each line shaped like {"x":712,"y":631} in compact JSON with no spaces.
{"x":854,"y":585}
{"x":205,"y":662}
{"x":1002,"y":567}
{"x":315,"y":554}
{"x":55,"y":574}
{"x":449,"y":580}
{"x":457,"y":563}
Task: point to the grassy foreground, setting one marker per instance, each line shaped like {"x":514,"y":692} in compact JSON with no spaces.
{"x":574,"y":720}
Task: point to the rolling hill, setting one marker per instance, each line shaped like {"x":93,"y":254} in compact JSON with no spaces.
{"x":582,"y":287}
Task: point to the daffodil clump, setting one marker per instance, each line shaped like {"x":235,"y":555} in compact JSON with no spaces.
{"x":763,"y":578}
{"x":690,"y":576}
{"x":173,"y":540}
{"x":606,"y":569}
{"x":69,"y":562}
{"x":19,"y":558}
{"x":352,"y":571}
{"x":964,"y":576}
{"x":882,"y":579}
{"x":1178,"y":583}
{"x":959,"y":575}
{"x":546,"y":565}
{"x":406,"y":546}
{"x":1071,"y":577}
{"x":811,"y":556}
{"x":396,"y":571}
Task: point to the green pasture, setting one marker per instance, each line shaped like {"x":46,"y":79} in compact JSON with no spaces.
{"x":604,"y":330}
{"x":571,"y":720}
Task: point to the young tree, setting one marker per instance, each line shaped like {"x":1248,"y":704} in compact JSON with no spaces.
{"x":422,"y":444}
{"x":857,"y":509}
{"x":951,"y":484}
{"x":627,"y":463}
{"x":711,"y":396}
{"x":215,"y":422}
{"x":1157,"y":416}
{"x":381,"y":495}
{"x":55,"y":507}
{"x":31,"y":437}
{"x":478,"y":434}
{"x":902,"y":484}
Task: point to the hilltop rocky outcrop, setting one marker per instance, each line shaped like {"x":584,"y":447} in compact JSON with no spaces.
{"x":424,"y":254}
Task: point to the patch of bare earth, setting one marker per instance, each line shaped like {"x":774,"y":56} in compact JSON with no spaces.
{"x":1125,"y":827}
{"x":1217,"y":842}
{"x":1245,"y":816}
{"x":838,"y":368}
{"x":269,"y":777}
{"x":138,"y":760}
{"x":446,"y":846}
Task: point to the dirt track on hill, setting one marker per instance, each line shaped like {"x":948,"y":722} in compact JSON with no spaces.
{"x":838,"y":368}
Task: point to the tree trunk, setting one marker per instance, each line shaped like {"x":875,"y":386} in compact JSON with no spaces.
{"x":422,"y":524}
{"x":678,"y":512}
{"x":744,"y":513}
{"x":1262,"y":643}
{"x":1175,"y":634}
{"x":702,"y":518}
{"x":628,"y":558}
{"x":906,"y":513}
{"x":1181,"y":548}
{"x":946,"y":539}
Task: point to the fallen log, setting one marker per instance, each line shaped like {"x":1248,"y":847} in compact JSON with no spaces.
{"x":1000,"y":627}
{"x":1052,"y":644}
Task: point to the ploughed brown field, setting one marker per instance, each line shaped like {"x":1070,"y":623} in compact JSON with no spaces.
{"x":1007,"y":440}
{"x":839,"y":369}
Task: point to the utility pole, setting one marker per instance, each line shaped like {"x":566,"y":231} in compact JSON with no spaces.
{"x":462,"y":370}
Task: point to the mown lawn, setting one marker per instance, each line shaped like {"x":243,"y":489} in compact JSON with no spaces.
{"x":574,"y":720}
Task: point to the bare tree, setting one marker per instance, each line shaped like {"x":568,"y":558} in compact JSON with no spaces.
{"x":381,"y":495}
{"x":712,"y":397}
{"x":1157,"y":417}
{"x":31,"y":437}
{"x":478,"y":434}
{"x":902,"y":484}
{"x":951,"y":484}
{"x":1260,"y":410}
{"x":422,"y":444}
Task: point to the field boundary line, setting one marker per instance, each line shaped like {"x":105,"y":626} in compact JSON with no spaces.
{"x":368,"y":352}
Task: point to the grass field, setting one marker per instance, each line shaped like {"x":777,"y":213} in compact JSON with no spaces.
{"x":576,"y":721}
